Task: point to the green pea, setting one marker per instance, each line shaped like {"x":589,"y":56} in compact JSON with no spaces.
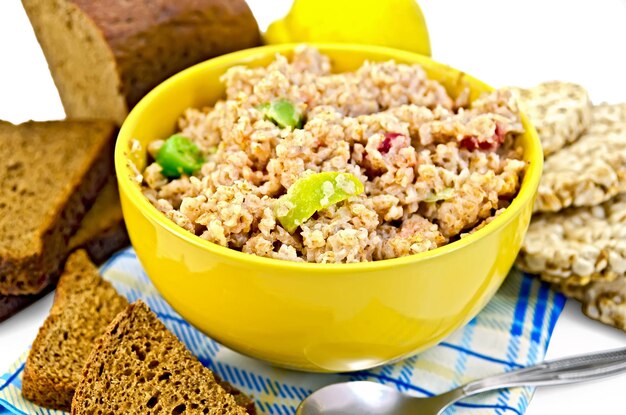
{"x":179,"y":155}
{"x":313,"y":193}
{"x":282,"y":113}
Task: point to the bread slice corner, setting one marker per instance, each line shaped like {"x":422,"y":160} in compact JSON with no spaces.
{"x":140,"y":367}
{"x":84,"y":304}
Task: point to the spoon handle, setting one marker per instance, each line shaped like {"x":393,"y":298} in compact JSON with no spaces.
{"x":569,"y":370}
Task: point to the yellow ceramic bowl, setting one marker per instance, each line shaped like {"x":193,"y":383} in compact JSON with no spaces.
{"x":314,"y":317}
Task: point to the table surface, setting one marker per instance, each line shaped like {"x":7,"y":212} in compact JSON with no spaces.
{"x":502,"y":42}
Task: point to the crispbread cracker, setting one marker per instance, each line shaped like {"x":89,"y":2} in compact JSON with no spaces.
{"x":590,"y":171}
{"x":577,"y":246}
{"x":604,"y":301}
{"x":560,"y":111}
{"x":608,"y":118}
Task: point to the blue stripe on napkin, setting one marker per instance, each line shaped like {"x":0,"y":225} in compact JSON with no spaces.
{"x":511,"y":332}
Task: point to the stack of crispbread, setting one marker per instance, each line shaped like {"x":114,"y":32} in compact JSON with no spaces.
{"x":577,"y":238}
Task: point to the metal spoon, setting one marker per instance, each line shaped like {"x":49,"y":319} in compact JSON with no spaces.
{"x":365,"y":398}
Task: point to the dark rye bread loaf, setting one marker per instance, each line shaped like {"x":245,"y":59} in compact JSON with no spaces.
{"x":50,"y":174}
{"x":101,"y":233}
{"x":105,"y":55}
{"x":140,"y":367}
{"x":84,"y":304}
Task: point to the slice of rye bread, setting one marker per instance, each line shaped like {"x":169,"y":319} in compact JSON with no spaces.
{"x":101,"y":233}
{"x":84,"y":304}
{"x":50,"y":174}
{"x":105,"y":56}
{"x":139,"y":367}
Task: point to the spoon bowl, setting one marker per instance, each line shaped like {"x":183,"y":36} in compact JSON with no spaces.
{"x":370,"y":398}
{"x":367,"y":398}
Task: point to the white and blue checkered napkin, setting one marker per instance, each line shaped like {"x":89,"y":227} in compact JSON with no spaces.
{"x":512,"y":331}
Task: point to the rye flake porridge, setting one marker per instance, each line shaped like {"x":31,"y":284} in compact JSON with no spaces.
{"x":301,"y":164}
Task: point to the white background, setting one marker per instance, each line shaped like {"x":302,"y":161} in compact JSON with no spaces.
{"x":502,"y":42}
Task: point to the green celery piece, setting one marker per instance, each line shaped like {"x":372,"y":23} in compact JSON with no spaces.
{"x":313,"y":193}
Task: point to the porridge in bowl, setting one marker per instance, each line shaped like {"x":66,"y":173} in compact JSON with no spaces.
{"x":302,"y":164}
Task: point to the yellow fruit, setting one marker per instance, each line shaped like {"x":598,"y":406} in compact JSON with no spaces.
{"x":393,"y":23}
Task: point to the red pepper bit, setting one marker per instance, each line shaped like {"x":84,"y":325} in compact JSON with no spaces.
{"x":385,"y":146}
{"x":499,"y":135}
{"x":472,"y":143}
{"x":469,"y":142}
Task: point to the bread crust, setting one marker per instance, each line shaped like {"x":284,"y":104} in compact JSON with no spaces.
{"x":11,"y":304}
{"x":105,"y":244}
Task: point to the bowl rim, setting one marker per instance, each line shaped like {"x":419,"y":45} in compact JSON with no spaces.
{"x":126,"y":185}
